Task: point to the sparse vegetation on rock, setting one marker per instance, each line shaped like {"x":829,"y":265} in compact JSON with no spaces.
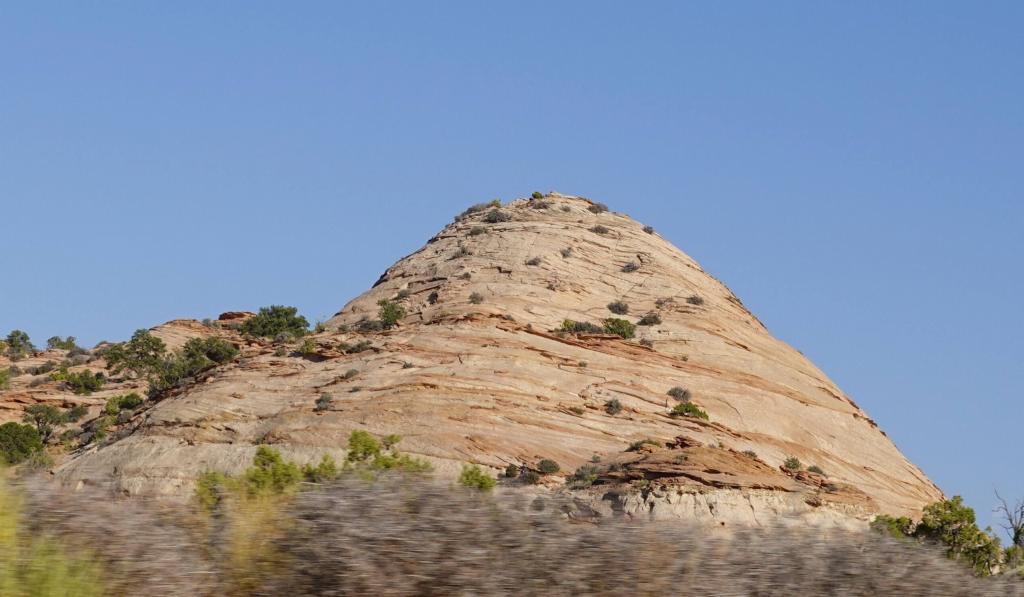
{"x":475,"y":298}
{"x":631,"y":267}
{"x":597,"y":208}
{"x":793,"y":463}
{"x":618,"y":307}
{"x":548,"y":466}
{"x":695,"y":300}
{"x":599,"y":229}
{"x":613,"y":406}
{"x":680,"y":394}
{"x":688,"y":409}
{"x":496,"y":216}
{"x":619,"y":327}
{"x":650,"y":319}
{"x":18,"y":345}
{"x":274,"y":320}
{"x":479,"y":207}
{"x":475,"y":478}
{"x":390,"y":313}
{"x":122,"y":402}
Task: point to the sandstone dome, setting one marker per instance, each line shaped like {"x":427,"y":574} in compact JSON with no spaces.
{"x":480,"y":370}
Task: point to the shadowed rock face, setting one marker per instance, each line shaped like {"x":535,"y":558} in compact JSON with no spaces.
{"x":475,"y":372}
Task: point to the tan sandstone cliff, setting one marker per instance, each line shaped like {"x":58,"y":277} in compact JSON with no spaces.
{"x":491,"y":381}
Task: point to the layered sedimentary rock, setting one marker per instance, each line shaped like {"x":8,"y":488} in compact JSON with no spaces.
{"x":479,"y":371}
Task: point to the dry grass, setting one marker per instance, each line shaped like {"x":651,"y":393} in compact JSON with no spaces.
{"x":413,"y":536}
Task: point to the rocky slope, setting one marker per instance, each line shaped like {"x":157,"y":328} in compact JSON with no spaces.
{"x":477,"y":371}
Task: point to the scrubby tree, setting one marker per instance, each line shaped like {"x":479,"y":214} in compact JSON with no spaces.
{"x":274,"y":320}
{"x":18,"y":442}
{"x":45,"y":418}
{"x":952,"y":523}
{"x":19,"y":345}
{"x":58,"y":343}
{"x":142,"y":356}
{"x":390,"y":313}
{"x":475,"y":478}
{"x":1013,"y":519}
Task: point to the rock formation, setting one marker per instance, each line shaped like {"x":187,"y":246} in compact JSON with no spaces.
{"x":479,"y":370}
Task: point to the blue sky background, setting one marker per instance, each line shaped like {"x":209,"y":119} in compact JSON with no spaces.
{"x":852,"y":171}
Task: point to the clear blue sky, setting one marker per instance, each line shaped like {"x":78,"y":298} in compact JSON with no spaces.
{"x":853,"y":172}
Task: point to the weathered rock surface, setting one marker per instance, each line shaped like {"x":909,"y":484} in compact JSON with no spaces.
{"x":476,"y":372}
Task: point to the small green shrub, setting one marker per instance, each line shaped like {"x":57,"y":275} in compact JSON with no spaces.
{"x":597,"y":208}
{"x":511,"y":471}
{"x":5,"y":379}
{"x":537,"y":195}
{"x":650,"y":319}
{"x":630,"y":267}
{"x":750,"y":454}
{"x":584,"y":476}
{"x":83,"y":382}
{"x":476,"y":298}
{"x":369,"y":325}
{"x":688,"y":409}
{"x":477,"y":231}
{"x":548,"y":466}
{"x":680,"y":394}
{"x":619,"y":327}
{"x":362,"y":446}
{"x":695,"y":300}
{"x":275,"y":319}
{"x":618,"y":307}
{"x":474,"y":478}
{"x":531,"y":477}
{"x":613,"y":407}
{"x":496,"y":216}
{"x":633,"y":447}
{"x":479,"y":207}
{"x":432,"y":298}
{"x":307,"y":348}
{"x":815,"y":469}
{"x":323,"y":402}
{"x":566,"y":252}
{"x":599,"y":229}
{"x":649,"y":229}
{"x":18,"y":442}
{"x":390,"y":313}
{"x":270,"y":473}
{"x":462,"y":251}
{"x":116,"y":404}
{"x":361,"y":346}
{"x":75,"y":413}
{"x":350,"y":374}
{"x":792,"y":464}
{"x":580,"y":327}
{"x":647,"y":342}
{"x":533,"y":261}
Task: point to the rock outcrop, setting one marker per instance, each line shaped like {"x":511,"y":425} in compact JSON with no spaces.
{"x":480,"y":371}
